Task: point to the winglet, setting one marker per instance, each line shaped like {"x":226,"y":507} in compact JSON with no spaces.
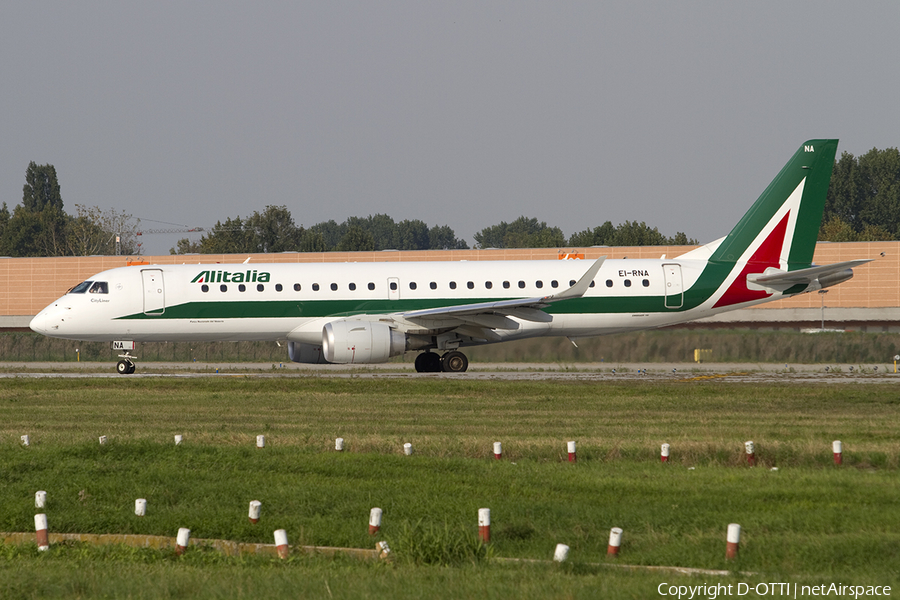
{"x":581,"y":286}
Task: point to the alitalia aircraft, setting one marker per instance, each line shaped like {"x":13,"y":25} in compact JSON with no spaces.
{"x":369,"y":312}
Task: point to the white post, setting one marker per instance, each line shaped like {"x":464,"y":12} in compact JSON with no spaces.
{"x":40,"y":531}
{"x":615,"y":541}
{"x":181,"y":542}
{"x":484,"y":525}
{"x":375,"y":520}
{"x":281,"y":543}
{"x":561,"y":553}
{"x":255,"y":509}
{"x":733,"y":540}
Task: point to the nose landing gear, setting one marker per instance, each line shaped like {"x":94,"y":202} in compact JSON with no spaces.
{"x":126,"y":365}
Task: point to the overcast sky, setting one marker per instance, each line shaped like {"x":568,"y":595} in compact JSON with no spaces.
{"x":459,"y":113}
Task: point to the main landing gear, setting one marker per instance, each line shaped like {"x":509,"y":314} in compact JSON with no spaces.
{"x":451,"y":362}
{"x":126,"y":365}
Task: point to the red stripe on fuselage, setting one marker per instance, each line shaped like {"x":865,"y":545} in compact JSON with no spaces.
{"x":767,"y":255}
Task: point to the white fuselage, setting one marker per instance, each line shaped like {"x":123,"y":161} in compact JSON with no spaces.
{"x":294,"y":301}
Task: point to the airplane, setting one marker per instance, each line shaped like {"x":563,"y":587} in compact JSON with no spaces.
{"x":364,"y":313}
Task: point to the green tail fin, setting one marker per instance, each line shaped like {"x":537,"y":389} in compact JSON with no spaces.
{"x":790,"y":209}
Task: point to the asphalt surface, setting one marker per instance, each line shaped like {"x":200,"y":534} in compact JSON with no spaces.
{"x":735,"y":372}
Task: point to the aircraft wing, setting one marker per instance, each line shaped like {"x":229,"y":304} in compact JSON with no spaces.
{"x":495,"y":315}
{"x":789,"y":278}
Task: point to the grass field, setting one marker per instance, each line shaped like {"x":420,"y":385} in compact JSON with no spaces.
{"x":806,"y":522}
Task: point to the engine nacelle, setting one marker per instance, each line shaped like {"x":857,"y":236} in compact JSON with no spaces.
{"x":362,"y":342}
{"x":306,"y":353}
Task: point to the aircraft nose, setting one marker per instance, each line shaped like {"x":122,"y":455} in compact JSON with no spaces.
{"x":47,"y":321}
{"x":39,"y":323}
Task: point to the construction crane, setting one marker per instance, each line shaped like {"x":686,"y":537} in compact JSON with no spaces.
{"x":179,"y":229}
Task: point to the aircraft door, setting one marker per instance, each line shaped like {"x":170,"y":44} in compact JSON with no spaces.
{"x":154,"y":292}
{"x":393,"y":288}
{"x":674,"y":286}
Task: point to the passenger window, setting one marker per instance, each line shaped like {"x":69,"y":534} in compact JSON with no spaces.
{"x":627,"y":283}
{"x":412,"y":285}
{"x":522,"y":285}
{"x":539,"y":284}
{"x":242,"y":288}
{"x":100,"y":287}
{"x":204,"y":288}
{"x":260,"y":287}
{"x":609,"y":283}
{"x":452,"y":285}
{"x":296,"y":287}
{"x":646,"y":283}
{"x":278,"y":287}
{"x":393,"y":286}
{"x":471,"y":285}
{"x":333,"y":287}
{"x":223,"y":287}
{"x":488,"y":284}
{"x":315,"y":287}
{"x":371,"y":286}
{"x":352,"y":287}
{"x":506,"y":285}
{"x":571,"y":282}
{"x":592,"y":283}
{"x":433,"y":285}
{"x":554,"y":284}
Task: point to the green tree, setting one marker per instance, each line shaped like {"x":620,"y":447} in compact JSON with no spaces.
{"x":94,"y":231}
{"x":4,"y":221}
{"x":273,"y":230}
{"x":412,"y":235}
{"x":230,"y":237}
{"x":864,"y":196}
{"x":524,"y":232}
{"x":186,"y":246}
{"x":356,"y":239}
{"x":331,"y":233}
{"x":37,"y":227}
{"x":312,"y":241}
{"x":441,"y":237}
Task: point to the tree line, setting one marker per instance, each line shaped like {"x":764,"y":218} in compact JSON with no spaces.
{"x":40,"y":227}
{"x":863,"y":204}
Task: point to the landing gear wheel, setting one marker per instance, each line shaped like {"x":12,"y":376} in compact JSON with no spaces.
{"x":125,"y":367}
{"x":428,"y":362}
{"x":454,"y":362}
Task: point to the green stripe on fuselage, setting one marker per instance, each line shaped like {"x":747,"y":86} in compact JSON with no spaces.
{"x":709,"y":281}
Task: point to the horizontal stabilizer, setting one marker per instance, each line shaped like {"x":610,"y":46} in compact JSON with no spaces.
{"x":789,"y":278}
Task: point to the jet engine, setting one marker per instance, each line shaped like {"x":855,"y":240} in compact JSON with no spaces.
{"x":361,"y":342}
{"x":306,"y":353}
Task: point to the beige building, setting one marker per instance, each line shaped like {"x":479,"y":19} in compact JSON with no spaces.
{"x":868,"y":302}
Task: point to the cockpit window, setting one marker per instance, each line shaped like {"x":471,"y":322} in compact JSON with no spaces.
{"x":81,"y":287}
{"x":99,"y":287}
